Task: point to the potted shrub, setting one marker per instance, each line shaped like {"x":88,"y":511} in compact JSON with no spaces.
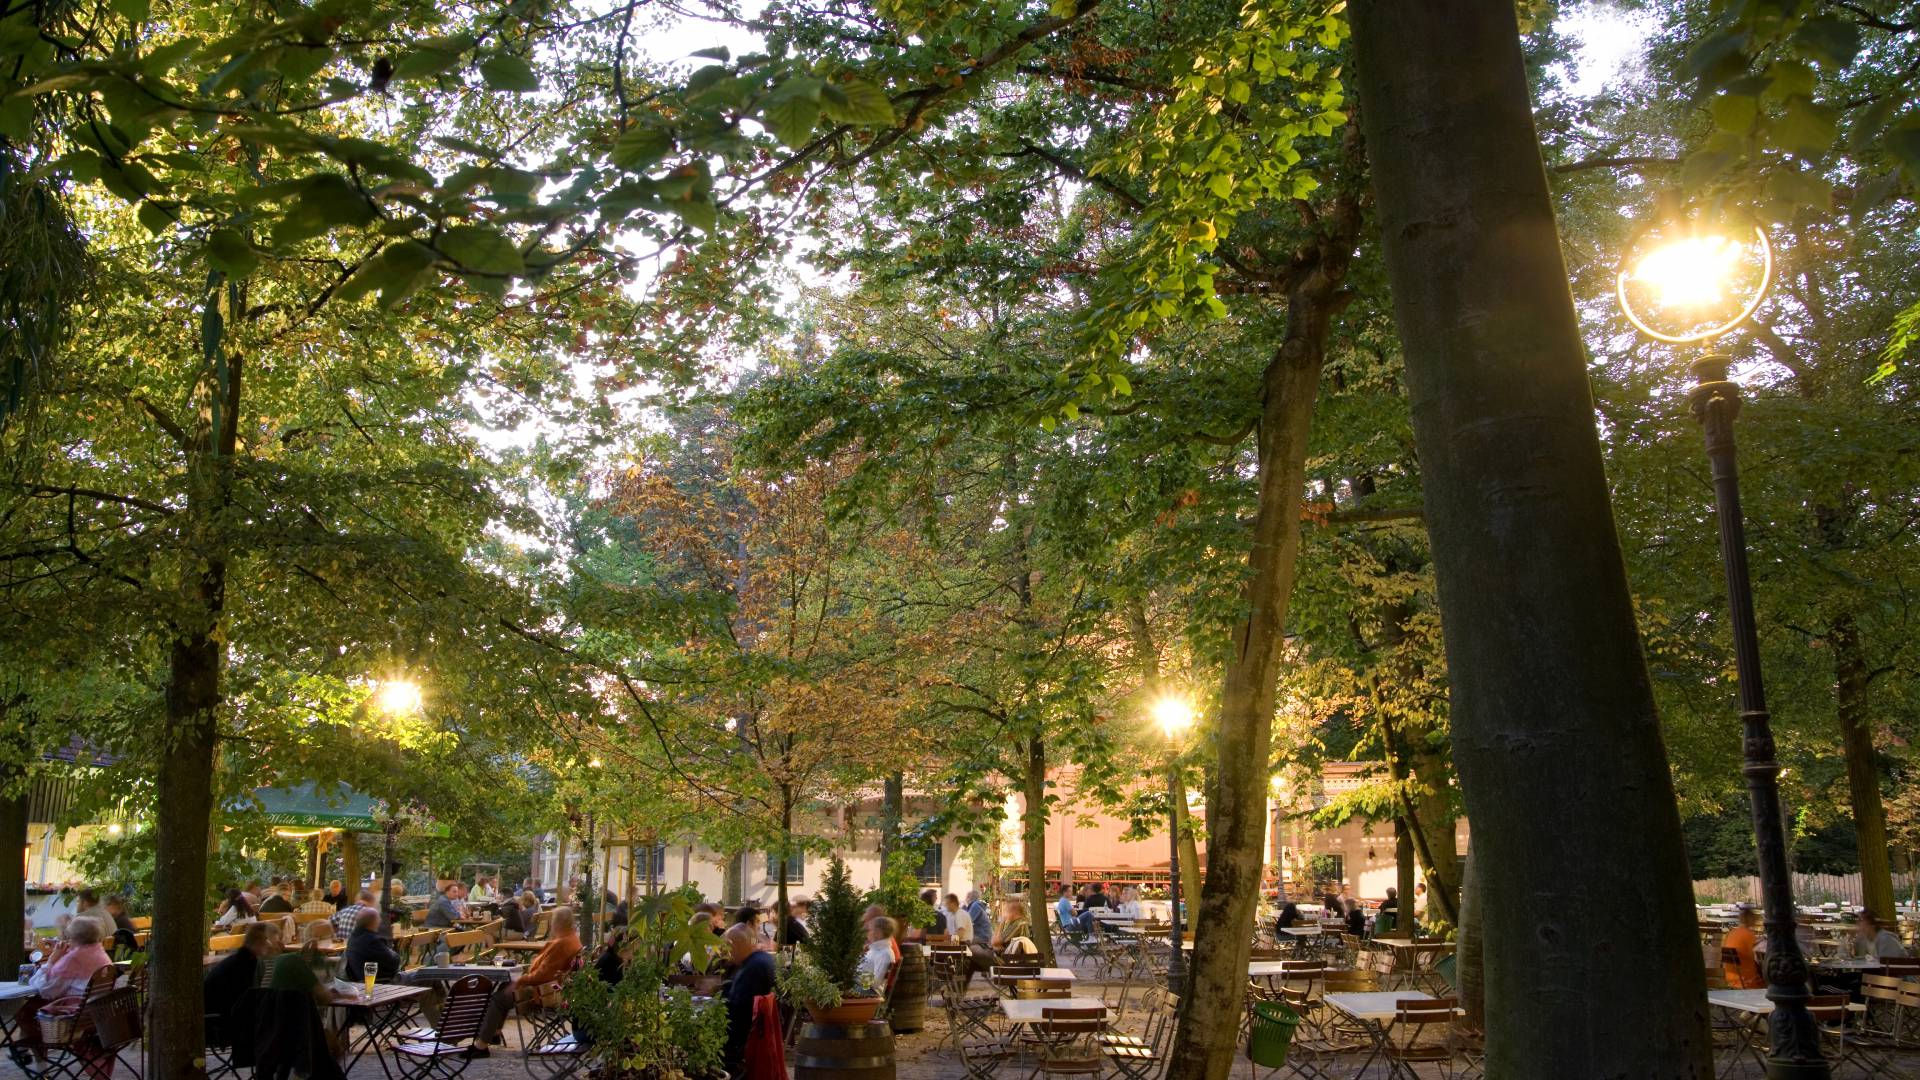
{"x":826,"y":977}
{"x":642,"y":1028}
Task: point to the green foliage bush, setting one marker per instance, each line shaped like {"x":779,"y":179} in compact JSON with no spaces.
{"x":837,"y":938}
{"x":640,"y":1026}
{"x":899,"y":890}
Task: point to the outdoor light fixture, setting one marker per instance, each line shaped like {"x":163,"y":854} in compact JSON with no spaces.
{"x":1686,"y":284}
{"x":1693,"y":285}
{"x":1174,"y":714}
{"x":400,"y":697}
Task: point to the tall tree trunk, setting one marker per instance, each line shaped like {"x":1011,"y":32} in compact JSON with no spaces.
{"x":893,"y":810}
{"x":1406,"y":874}
{"x":183,"y":798}
{"x":786,"y":852}
{"x":1208,"y":1033}
{"x":1468,"y":970}
{"x":1191,"y":879}
{"x":13,"y":868}
{"x":1576,"y":845}
{"x":1863,"y":767}
{"x":350,"y":862}
{"x":1433,"y":837}
{"x":1033,"y":830}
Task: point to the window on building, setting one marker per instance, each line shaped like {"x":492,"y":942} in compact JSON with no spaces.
{"x":659,"y":865}
{"x":795,"y":869}
{"x":931,"y":864}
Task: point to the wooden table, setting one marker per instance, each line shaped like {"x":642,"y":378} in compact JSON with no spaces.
{"x":519,"y":946}
{"x":389,"y":1007}
{"x":1373,"y":1011}
{"x":451,"y":972}
{"x":1028,"y":1010}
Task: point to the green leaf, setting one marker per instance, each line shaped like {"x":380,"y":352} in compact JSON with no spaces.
{"x":16,"y":117}
{"x":155,"y":217}
{"x":424,"y":62}
{"x":718,"y":52}
{"x":793,"y":108}
{"x":396,"y":272}
{"x":229,"y":250}
{"x":132,"y":10}
{"x":1121,"y":387}
{"x":1803,"y":189}
{"x":334,"y":198}
{"x":697,"y":211}
{"x":1832,"y":42}
{"x":1806,"y":128}
{"x":507,"y":72}
{"x":476,"y":247}
{"x":856,"y":102}
{"x":1735,"y":112}
{"x":642,"y":146}
{"x":299,"y":63}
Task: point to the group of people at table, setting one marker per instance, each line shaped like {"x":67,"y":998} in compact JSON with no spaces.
{"x":1873,"y":938}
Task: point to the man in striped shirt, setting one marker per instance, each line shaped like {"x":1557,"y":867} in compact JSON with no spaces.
{"x":348,"y":914}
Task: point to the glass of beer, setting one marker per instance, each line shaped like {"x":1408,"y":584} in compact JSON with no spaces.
{"x":371,"y":971}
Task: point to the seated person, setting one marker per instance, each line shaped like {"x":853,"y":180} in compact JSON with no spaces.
{"x":796,"y":922}
{"x":337,"y":894}
{"x":1356,"y":918}
{"x":238,"y":907}
{"x":1742,"y":970}
{"x":442,"y":912}
{"x":879,"y":957}
{"x":1289,"y":915}
{"x":539,"y":984}
{"x":277,"y":901}
{"x":366,"y":945}
{"x":68,"y":969}
{"x":1015,"y":935}
{"x":517,"y":918}
{"x":1063,"y":910}
{"x":1874,"y":938}
{"x":347,"y":916}
{"x":753,"y":975}
{"x":306,"y":968}
{"x":235,"y":974}
{"x":123,"y":935}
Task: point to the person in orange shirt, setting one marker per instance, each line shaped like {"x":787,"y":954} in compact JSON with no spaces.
{"x":1742,"y":968}
{"x":539,"y":985}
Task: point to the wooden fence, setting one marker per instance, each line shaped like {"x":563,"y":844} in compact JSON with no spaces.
{"x":1808,"y":889}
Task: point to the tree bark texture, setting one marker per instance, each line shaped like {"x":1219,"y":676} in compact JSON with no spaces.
{"x":1863,"y":767}
{"x":1469,"y":975}
{"x":183,"y":800}
{"x":13,"y":870}
{"x":1208,"y":1034}
{"x":1576,"y":837}
{"x":1033,"y":833}
{"x":350,"y":862}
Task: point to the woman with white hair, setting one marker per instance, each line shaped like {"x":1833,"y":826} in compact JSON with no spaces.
{"x":70,"y":965}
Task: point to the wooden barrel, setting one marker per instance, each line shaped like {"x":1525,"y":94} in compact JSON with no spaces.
{"x":908,"y":1009}
{"x":844,"y":1052}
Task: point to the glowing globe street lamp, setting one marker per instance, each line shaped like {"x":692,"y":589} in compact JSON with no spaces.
{"x":1685,"y":286}
{"x":1175,"y":717}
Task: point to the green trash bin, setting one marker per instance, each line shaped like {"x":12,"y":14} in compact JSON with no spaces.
{"x":1273,"y":1027}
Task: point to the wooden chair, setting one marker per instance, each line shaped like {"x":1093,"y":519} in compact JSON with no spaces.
{"x":221,"y":944}
{"x":142,"y":922}
{"x":464,"y":945}
{"x":1068,"y":1042}
{"x":1003,"y":976}
{"x":1037,"y":989}
{"x":1412,"y":1018}
{"x":302,"y":918}
{"x":441,"y":1053}
{"x":495,"y":930}
{"x":422,"y":948}
{"x":541,"y":924}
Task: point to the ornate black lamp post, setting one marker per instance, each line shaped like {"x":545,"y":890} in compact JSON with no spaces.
{"x":1174,"y":716}
{"x":1686,"y":278}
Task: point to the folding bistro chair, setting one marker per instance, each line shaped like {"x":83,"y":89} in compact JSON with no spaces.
{"x":1141,"y":1057}
{"x":443,"y":1052}
{"x":967,"y":1017}
{"x":1068,"y":1042}
{"x":1405,"y":1047}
